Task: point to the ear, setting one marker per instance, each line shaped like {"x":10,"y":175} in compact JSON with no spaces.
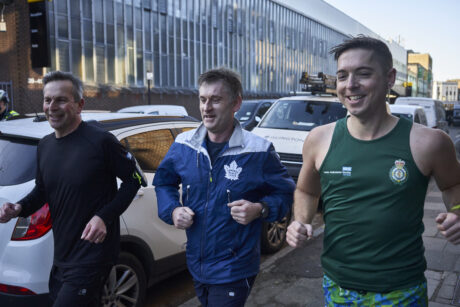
{"x":81,"y":103}
{"x":237,"y":104}
{"x":391,"y":78}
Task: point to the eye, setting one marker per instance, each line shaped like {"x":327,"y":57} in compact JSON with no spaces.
{"x":61,"y":100}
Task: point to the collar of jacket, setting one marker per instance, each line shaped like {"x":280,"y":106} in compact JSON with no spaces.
{"x":236,"y":140}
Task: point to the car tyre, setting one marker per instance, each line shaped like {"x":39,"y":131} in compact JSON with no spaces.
{"x":126,"y":284}
{"x":273,"y":235}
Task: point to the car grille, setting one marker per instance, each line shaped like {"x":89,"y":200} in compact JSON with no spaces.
{"x":290,"y":158}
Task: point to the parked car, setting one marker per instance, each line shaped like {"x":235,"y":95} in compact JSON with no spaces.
{"x":456,"y":115}
{"x":159,"y":109}
{"x":289,"y":121}
{"x":414,"y":113}
{"x":150,"y":249}
{"x":434,"y":110}
{"x":252,"y":111}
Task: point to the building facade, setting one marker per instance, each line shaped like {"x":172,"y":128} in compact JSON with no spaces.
{"x":113,"y":45}
{"x":458,"y":87}
{"x":338,"y":20}
{"x":420,"y":88}
{"x":424,"y":72}
{"x":445,"y":91}
{"x":126,"y":51}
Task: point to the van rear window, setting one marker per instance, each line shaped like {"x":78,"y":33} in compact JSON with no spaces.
{"x":17,"y":161}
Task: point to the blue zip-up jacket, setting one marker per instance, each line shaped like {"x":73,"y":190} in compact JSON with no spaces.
{"x":219,"y":250}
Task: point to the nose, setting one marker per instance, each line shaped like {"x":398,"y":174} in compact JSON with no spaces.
{"x":352,"y":81}
{"x":207,"y":105}
{"x":52,"y":104}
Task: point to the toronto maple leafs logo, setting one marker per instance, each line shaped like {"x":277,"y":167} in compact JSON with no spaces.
{"x":233,"y":171}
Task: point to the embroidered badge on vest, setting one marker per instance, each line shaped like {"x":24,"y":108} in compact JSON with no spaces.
{"x":233,"y":171}
{"x":398,"y":173}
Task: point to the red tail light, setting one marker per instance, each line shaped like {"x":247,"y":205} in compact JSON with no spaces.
{"x":15,"y":290}
{"x":33,"y":227}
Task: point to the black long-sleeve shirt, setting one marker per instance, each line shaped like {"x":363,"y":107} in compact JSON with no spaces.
{"x":76,"y":176}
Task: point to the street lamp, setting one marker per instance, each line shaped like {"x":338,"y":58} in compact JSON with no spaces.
{"x":149,"y":80}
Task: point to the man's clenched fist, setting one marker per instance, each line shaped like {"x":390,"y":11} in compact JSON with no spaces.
{"x":183,"y":217}
{"x":298,"y":233}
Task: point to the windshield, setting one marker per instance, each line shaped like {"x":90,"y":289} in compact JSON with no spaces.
{"x":17,"y":161}
{"x":302,"y":115}
{"x":246,"y":111}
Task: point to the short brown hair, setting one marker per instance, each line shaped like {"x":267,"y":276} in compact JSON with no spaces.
{"x":231,"y":78}
{"x":380,"y":49}
{"x":66,"y":76}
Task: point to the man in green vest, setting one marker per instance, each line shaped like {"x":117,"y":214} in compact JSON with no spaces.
{"x":5,"y":114}
{"x":371,"y":170}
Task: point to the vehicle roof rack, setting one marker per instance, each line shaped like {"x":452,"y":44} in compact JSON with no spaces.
{"x":318,"y":84}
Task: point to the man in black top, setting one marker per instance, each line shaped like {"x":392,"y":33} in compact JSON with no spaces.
{"x":77,"y":167}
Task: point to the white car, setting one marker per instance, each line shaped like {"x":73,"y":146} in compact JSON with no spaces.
{"x":413,"y":113}
{"x":159,"y":109}
{"x":150,"y":249}
{"x":434,"y":110}
{"x":289,"y":120}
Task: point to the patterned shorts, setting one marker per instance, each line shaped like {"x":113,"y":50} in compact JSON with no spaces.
{"x":335,"y":296}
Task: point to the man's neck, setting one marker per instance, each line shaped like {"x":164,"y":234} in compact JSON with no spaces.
{"x":371,"y":128}
{"x":221,"y":137}
{"x":62,"y":133}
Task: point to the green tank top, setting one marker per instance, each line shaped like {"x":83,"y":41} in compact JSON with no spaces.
{"x":373,"y":196}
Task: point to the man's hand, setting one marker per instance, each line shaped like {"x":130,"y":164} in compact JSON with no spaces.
{"x":183,"y":217}
{"x":298,"y":233}
{"x":95,"y":231}
{"x":9,"y":211}
{"x":449,"y":225}
{"x":244,"y":211}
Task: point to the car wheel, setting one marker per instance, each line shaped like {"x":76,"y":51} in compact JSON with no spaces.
{"x":126,"y":284}
{"x":274,"y":235}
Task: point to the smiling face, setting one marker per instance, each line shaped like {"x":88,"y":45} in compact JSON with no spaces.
{"x":217,"y":108}
{"x":60,"y":107}
{"x":362,"y":83}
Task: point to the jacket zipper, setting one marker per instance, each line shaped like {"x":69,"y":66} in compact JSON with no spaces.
{"x":188,"y":192}
{"x":229,"y":199}
{"x":203,"y":232}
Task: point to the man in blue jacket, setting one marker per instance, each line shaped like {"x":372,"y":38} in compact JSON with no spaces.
{"x":232,"y":180}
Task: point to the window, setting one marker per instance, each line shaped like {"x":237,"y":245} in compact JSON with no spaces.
{"x":229,"y":18}
{"x":163,"y":7}
{"x":17,"y":161}
{"x":302,"y":115}
{"x":149,"y":147}
{"x":272,"y":32}
{"x":263,"y":109}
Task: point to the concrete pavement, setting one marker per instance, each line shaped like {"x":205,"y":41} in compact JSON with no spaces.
{"x":293,"y":277}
